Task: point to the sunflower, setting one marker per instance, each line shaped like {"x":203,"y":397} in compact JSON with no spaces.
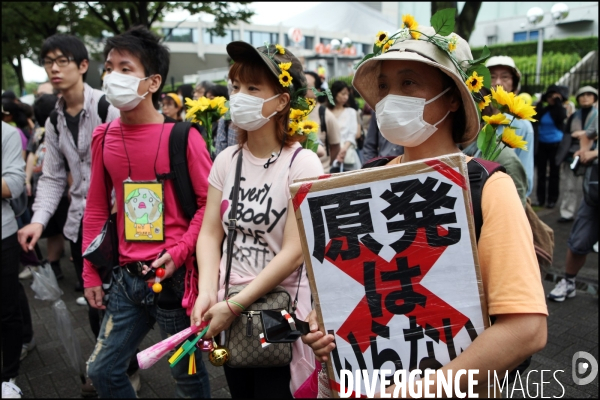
{"x":296,"y":114}
{"x":496,"y":119}
{"x":485,"y":102}
{"x":311,"y":103}
{"x":381,"y":38}
{"x":408,"y":21}
{"x":217,"y":102}
{"x":474,"y":82}
{"x":512,"y":140}
{"x":501,"y":96}
{"x":285,"y":66}
{"x":223,"y":110}
{"x":520,"y":109}
{"x":292,"y":128}
{"x":280,"y":49}
{"x":387,"y":46}
{"x":285,"y":79}
{"x":308,"y":127}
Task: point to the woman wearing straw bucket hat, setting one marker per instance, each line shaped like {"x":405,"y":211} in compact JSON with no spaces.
{"x":425,"y":102}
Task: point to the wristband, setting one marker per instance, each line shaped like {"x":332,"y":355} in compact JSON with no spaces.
{"x":237,"y":304}
{"x":231,"y":309}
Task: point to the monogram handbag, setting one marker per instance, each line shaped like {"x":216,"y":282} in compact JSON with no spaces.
{"x":103,"y":252}
{"x":242,"y":339}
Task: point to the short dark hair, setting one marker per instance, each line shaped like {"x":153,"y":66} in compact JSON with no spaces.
{"x":43,"y":106}
{"x":69,"y":46}
{"x":186,"y":90}
{"x":218,"y":90}
{"x":145,"y":45}
{"x":9,"y":94}
{"x":16,"y":112}
{"x":337,"y":87}
{"x":318,"y":80}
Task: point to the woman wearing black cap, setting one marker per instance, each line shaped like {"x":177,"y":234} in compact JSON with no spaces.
{"x":266,"y":251}
{"x":549,"y":129}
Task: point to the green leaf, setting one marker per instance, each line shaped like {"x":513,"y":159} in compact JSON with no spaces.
{"x":485,"y":54}
{"x":443,"y":21}
{"x":485,"y":140}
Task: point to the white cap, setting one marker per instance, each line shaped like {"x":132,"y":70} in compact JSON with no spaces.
{"x":506,"y":61}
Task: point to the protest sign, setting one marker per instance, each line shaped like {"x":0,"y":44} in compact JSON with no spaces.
{"x":392,"y":262}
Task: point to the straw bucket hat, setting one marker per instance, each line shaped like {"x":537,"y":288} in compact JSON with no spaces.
{"x":365,"y":78}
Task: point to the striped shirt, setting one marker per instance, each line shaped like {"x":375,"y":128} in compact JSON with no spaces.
{"x":79,"y":156}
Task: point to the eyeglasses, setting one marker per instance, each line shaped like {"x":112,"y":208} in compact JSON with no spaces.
{"x":61,"y":61}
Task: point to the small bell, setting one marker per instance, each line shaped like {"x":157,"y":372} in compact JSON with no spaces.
{"x":205,"y":345}
{"x":219,"y":355}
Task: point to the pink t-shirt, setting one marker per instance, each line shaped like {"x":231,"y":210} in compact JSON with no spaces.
{"x":142,"y":145}
{"x":262,"y":212}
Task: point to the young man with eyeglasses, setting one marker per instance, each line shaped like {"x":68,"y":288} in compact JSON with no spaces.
{"x":505,"y":73}
{"x":66,"y":61}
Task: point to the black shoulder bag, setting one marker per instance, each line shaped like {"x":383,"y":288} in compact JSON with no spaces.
{"x":246,"y":346}
{"x":103,"y":252}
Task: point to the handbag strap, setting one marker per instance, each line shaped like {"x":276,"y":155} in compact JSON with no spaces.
{"x":232,"y":221}
{"x":233,"y":224}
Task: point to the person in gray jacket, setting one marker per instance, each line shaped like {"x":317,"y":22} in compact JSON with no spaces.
{"x":13,"y":184}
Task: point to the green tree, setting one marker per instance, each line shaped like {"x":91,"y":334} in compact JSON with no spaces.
{"x":25,"y":25}
{"x":117,"y":17}
{"x":465,"y":21}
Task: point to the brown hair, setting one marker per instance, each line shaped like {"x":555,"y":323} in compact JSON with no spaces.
{"x":254,"y":71}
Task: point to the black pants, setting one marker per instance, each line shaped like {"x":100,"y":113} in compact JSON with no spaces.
{"x":257,"y":383}
{"x":12,"y":320}
{"x":545,"y":156}
{"x":26,"y":315}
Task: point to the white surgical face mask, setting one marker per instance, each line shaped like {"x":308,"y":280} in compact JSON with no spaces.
{"x":246,"y":111}
{"x":122,"y":90}
{"x":400,"y":119}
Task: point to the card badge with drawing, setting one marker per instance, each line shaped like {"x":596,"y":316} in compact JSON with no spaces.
{"x":144,"y":211}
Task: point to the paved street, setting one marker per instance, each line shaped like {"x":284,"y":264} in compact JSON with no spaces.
{"x":572,"y":327}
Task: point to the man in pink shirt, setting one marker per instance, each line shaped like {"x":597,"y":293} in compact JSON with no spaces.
{"x":131,"y":155}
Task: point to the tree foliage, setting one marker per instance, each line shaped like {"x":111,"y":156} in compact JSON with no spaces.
{"x":25,"y":25}
{"x":117,"y":17}
{"x":465,"y":21}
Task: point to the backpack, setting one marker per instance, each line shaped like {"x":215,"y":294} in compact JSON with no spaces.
{"x":179,"y":174}
{"x":103,"y":105}
{"x":479,"y":172}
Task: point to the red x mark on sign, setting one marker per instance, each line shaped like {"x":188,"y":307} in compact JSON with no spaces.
{"x":418,"y":254}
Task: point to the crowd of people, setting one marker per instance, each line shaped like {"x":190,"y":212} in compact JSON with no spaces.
{"x":81,"y":156}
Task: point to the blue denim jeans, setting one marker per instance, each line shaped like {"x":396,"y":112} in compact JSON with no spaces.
{"x":130,"y":314}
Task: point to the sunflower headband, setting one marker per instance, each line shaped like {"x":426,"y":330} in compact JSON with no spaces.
{"x":475,"y":75}
{"x":300,"y":106}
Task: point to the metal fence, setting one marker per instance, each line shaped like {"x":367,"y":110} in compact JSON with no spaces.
{"x":585,"y":72}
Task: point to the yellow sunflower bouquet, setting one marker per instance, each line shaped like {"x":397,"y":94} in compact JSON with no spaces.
{"x":489,"y":141}
{"x":204,"y":111}
{"x":299,"y":124}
